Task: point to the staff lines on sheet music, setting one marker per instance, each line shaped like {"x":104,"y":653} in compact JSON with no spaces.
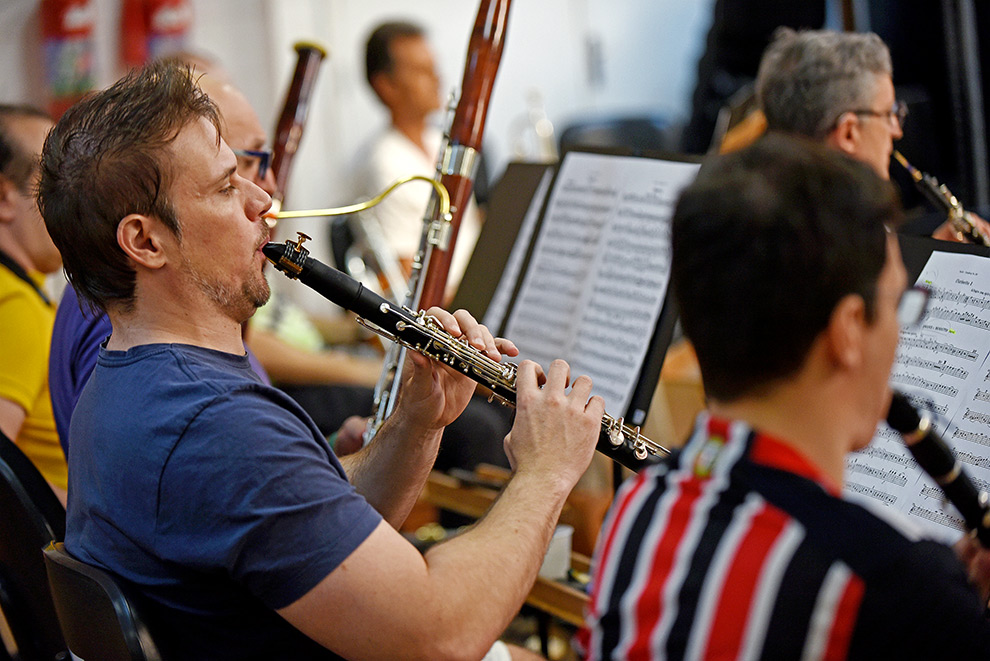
{"x":971,"y":436}
{"x":928,"y":405}
{"x":654,"y":224}
{"x":934,"y":493}
{"x":973,"y":460}
{"x":610,"y":362}
{"x":912,"y":380}
{"x":937,"y":516}
{"x":967,"y":318}
{"x":555,"y":238}
{"x":955,"y":296}
{"x":559,"y":304}
{"x":590,"y":209}
{"x":599,"y":338}
{"x":982,"y":395}
{"x":884,"y":475}
{"x":977,"y":416}
{"x":887,"y":455}
{"x":573,"y":186}
{"x":641,"y":311}
{"x":616,"y":325}
{"x":640,"y":282}
{"x":935,"y":346}
{"x":941,"y":366}
{"x":872,"y":492}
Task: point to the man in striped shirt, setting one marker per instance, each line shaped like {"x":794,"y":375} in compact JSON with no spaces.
{"x":788,"y":281}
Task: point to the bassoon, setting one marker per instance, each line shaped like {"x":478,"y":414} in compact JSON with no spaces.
{"x":456,"y":167}
{"x":292,"y":121}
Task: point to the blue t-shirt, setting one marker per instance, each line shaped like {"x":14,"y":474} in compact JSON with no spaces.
{"x":211,"y":493}
{"x":76,"y":339}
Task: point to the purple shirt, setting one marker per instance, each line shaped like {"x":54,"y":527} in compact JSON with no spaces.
{"x":76,"y":340}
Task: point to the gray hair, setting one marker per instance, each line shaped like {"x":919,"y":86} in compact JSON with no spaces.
{"x":808,"y":79}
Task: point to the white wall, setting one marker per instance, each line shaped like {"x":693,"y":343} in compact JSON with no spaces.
{"x":645,"y":54}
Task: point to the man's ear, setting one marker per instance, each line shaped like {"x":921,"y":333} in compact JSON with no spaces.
{"x":382,"y":85}
{"x":8,"y":200}
{"x":141,"y":239}
{"x":845,"y":136}
{"x":845,"y":334}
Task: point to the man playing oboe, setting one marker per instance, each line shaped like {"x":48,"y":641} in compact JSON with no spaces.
{"x":788,"y":280}
{"x":214,"y":495}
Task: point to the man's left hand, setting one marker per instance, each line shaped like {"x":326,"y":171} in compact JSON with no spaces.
{"x":947,"y":231}
{"x":434,"y":395}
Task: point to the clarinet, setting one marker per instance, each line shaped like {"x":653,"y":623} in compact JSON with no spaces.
{"x":422,"y":333}
{"x":939,"y":195}
{"x":936,"y":458}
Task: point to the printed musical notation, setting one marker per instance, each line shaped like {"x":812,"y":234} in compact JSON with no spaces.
{"x":942,"y":367}
{"x":598,"y":274}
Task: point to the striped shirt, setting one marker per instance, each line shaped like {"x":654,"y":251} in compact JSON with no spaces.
{"x":739,"y":548}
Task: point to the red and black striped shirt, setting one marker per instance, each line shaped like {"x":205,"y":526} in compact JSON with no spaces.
{"x":739,"y":548}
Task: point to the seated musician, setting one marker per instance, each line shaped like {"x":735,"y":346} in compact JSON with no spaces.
{"x":837,"y":88}
{"x":213,"y":494}
{"x":741,"y":546}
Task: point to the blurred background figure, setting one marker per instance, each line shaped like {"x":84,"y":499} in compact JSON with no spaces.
{"x":27,"y":312}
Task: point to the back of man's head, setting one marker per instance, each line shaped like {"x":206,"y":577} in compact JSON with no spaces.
{"x":377,"y":53}
{"x":107,"y":158}
{"x":16,"y":164}
{"x":808,"y":79}
{"x":766,"y":241}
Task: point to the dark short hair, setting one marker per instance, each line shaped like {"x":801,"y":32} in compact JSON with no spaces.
{"x":15,"y":163}
{"x":377,"y":54}
{"x":766,"y":242}
{"x":107,"y":158}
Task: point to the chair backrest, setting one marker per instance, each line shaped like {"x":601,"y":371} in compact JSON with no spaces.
{"x":98,"y":618}
{"x":31,"y":518}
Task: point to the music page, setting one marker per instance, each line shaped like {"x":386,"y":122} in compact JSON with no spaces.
{"x":598,"y":275}
{"x":942,"y":366}
{"x":510,"y":275}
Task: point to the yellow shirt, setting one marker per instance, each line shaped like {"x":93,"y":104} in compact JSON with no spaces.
{"x":25,"y":339}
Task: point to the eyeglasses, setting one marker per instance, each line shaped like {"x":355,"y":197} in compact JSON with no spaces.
{"x":264,"y":159}
{"x":912,"y":307}
{"x":898,"y":111}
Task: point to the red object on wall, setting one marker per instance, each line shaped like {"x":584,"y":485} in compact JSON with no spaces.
{"x":67,"y":40}
{"x":152,"y":28}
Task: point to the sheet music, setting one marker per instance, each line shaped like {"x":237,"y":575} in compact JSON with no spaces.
{"x":510,"y":275}
{"x":600,"y":267}
{"x":941,"y":366}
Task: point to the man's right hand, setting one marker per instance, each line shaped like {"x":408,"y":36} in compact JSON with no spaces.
{"x":555,"y":432}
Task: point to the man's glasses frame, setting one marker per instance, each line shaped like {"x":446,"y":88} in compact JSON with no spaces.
{"x":898,"y":111}
{"x":264,"y":159}
{"x":913,"y":306}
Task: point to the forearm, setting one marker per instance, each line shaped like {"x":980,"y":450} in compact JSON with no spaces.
{"x":391,"y":470}
{"x":498,"y":558}
{"x":291,"y":365}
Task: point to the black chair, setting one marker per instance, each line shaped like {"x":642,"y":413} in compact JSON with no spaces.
{"x":31,"y":518}
{"x":98,"y":618}
{"x":637,"y":134}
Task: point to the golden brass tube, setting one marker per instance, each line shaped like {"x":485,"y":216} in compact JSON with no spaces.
{"x":361,"y":206}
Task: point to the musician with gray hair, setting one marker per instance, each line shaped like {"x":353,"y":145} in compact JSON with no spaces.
{"x":741,"y":546}
{"x":837,"y":88}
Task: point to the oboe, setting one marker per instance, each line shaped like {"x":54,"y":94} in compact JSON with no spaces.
{"x":423,"y":334}
{"x":939,"y":195}
{"x":937,"y":459}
